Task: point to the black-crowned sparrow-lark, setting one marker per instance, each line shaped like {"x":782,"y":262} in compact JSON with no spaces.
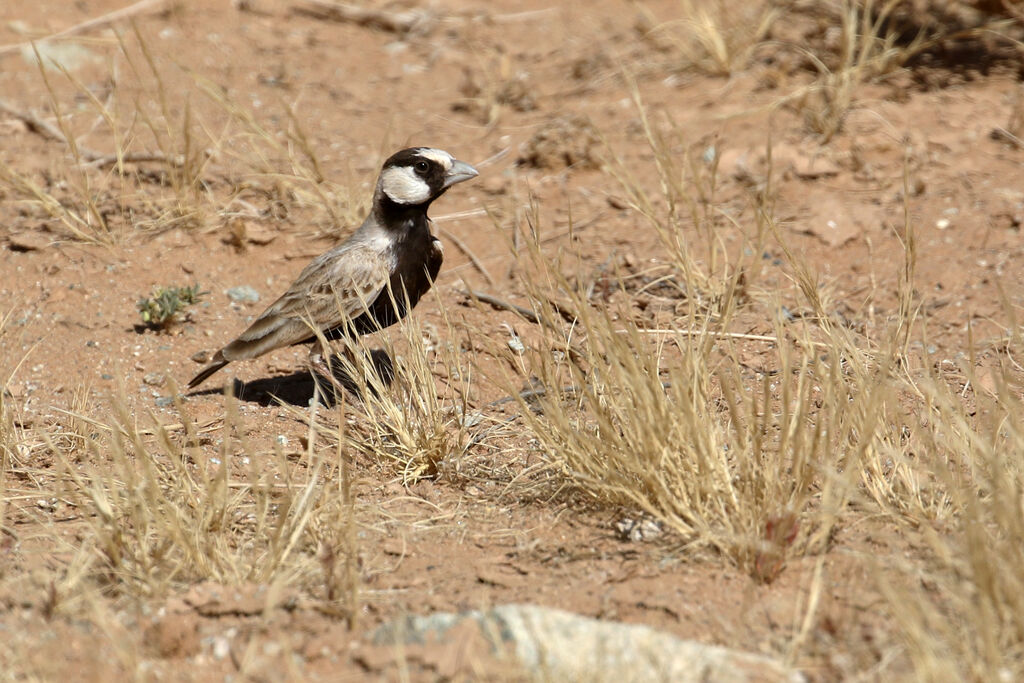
{"x":365,"y":283}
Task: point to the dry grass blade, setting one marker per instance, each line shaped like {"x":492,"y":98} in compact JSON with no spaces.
{"x":134,"y":9}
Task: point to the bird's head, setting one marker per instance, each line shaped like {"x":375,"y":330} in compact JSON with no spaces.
{"x":418,"y":175}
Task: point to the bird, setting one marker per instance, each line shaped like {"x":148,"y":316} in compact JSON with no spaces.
{"x":370,"y":280}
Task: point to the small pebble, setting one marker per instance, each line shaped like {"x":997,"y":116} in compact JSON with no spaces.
{"x":201,"y":356}
{"x":243,"y":294}
{"x":473,"y":419}
{"x":154,"y":379}
{"x":638,"y":530}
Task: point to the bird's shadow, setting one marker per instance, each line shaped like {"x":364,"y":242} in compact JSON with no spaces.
{"x":297,"y":389}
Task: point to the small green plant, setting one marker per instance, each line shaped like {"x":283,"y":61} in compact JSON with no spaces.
{"x":164,"y":306}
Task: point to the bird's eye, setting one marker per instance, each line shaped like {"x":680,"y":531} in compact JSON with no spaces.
{"x":422,"y":167}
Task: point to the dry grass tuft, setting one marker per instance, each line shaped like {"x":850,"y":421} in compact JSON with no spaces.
{"x":407,"y":411}
{"x":865,"y":51}
{"x":875,"y":39}
{"x":162,"y":513}
{"x":718,"y":38}
{"x":665,"y":422}
{"x":962,"y":614}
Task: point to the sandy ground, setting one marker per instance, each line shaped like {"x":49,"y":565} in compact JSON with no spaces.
{"x":483,"y":81}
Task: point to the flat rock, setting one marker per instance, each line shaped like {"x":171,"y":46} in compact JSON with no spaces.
{"x":551,"y":644}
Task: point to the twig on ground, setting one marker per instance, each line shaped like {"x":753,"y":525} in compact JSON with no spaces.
{"x":102,"y":20}
{"x":50,"y":132}
{"x":502,"y":305}
{"x":34,"y":123}
{"x":417,"y":21}
{"x":719,"y":335}
{"x":412,"y":21}
{"x":528,"y":394}
{"x":573,"y":229}
{"x":1003,"y":135}
{"x":532,"y":316}
{"x":708,"y":333}
{"x":469,"y":254}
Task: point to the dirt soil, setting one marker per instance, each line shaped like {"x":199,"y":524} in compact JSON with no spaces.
{"x":536,"y":96}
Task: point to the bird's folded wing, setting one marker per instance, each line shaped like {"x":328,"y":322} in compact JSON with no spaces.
{"x":332,"y":290}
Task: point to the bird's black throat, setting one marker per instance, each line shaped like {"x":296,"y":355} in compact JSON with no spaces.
{"x":391,"y":214}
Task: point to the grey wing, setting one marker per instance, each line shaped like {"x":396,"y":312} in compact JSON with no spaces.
{"x":334,"y":288}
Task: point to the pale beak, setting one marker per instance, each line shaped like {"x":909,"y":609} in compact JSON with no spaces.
{"x":459,"y":172}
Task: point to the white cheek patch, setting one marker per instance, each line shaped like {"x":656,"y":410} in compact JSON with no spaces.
{"x":403,"y":186}
{"x":439,"y":156}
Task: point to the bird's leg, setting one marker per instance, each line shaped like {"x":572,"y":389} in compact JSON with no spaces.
{"x":318,"y":355}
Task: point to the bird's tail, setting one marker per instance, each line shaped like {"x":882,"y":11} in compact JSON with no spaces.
{"x":217,"y":363}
